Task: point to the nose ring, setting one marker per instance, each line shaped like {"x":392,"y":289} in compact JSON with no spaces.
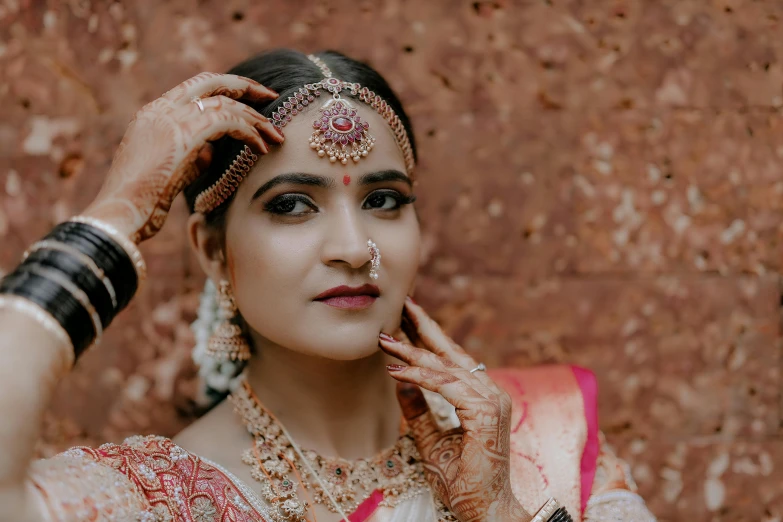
{"x":375,"y":261}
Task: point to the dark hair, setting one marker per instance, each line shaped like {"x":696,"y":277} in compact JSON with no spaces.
{"x":285,"y":71}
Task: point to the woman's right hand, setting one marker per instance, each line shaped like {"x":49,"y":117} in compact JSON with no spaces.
{"x":166,"y":146}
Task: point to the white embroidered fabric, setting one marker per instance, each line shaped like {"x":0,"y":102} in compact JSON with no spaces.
{"x":617,"y":506}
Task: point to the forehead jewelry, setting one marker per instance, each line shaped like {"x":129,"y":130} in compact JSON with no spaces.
{"x":375,"y":260}
{"x":339,"y":132}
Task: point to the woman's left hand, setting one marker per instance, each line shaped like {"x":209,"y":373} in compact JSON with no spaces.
{"x":467,"y":467}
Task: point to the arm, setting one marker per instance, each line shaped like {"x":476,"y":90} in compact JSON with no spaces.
{"x":31,"y":363}
{"x":163,"y":149}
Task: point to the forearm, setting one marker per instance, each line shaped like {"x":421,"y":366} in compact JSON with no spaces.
{"x":32,"y":360}
{"x":54,"y":305}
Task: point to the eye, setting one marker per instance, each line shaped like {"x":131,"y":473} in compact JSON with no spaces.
{"x":290,"y":204}
{"x":387,"y":200}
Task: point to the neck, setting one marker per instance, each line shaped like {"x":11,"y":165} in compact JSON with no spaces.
{"x":336,"y":408}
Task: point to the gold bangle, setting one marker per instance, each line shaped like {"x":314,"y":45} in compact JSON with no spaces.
{"x":44,"y":318}
{"x":77,"y":293}
{"x":546,"y":511}
{"x":49,"y":244}
{"x":129,"y":246}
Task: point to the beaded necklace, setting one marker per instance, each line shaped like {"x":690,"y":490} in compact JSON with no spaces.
{"x":277,"y":464}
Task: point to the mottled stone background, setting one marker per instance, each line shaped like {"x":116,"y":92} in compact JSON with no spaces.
{"x":600,"y":184}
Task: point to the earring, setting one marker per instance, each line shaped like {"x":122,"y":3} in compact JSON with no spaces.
{"x":375,"y":261}
{"x":228,"y":342}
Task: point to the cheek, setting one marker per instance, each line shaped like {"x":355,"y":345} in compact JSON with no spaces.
{"x":265,"y":265}
{"x":402,"y":256}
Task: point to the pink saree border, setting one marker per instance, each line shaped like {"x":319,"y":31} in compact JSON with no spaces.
{"x":589,"y":387}
{"x":367,"y":508}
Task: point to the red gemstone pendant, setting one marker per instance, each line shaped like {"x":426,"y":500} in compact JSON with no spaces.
{"x":342,"y":124}
{"x":340,"y":134}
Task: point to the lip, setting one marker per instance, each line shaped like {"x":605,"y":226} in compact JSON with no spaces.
{"x":350,"y":297}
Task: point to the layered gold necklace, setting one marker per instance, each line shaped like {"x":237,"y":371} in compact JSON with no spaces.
{"x":285,"y":472}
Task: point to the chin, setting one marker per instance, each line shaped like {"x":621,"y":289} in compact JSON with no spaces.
{"x":341,"y":349}
{"x":338,"y":338}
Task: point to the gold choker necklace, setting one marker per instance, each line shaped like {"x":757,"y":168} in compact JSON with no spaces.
{"x":341,"y":485}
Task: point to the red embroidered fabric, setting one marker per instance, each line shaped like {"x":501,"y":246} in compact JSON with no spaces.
{"x":176,"y":486}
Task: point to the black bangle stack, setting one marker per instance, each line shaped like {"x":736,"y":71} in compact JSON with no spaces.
{"x":80,"y":276}
{"x":561,"y":515}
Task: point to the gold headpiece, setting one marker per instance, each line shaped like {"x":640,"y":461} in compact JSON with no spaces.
{"x":339,"y":132}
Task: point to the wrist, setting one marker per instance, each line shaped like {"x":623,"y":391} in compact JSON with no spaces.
{"x":509,"y":510}
{"x":121,"y":236}
{"x":124,"y":225}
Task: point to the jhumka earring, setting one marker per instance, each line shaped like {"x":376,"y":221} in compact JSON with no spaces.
{"x":375,"y":261}
{"x":228,"y":342}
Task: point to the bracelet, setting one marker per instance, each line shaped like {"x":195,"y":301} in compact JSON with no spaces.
{"x":54,"y":300}
{"x":561,"y":515}
{"x":78,"y":294}
{"x":125,"y":243}
{"x":107,"y":254}
{"x":80,"y":275}
{"x":48,"y":244}
{"x":547,"y":510}
{"x":44,"y":318}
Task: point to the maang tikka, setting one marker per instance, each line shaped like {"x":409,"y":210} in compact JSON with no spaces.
{"x":339,"y":132}
{"x":228,"y":341}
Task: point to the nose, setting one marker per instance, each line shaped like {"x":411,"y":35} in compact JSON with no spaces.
{"x":345,"y":241}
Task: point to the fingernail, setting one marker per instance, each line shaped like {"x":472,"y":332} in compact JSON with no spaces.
{"x":395,"y":367}
{"x":409,"y":298}
{"x":387,"y":338}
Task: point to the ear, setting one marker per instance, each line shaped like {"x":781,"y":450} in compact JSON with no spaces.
{"x":206,"y":242}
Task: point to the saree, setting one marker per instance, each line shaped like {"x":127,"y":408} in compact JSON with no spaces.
{"x":556,"y":451}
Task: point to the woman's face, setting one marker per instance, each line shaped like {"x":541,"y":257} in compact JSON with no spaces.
{"x":298,"y":227}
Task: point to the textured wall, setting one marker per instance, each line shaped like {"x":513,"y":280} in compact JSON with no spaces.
{"x":600,"y":184}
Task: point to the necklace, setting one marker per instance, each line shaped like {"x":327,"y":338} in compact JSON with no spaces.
{"x":283,"y":470}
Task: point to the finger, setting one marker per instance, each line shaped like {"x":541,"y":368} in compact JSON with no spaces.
{"x":414,"y":355}
{"x":220,"y":125}
{"x":222,"y":103}
{"x":417,"y":415}
{"x":433,"y":338}
{"x":204,"y":157}
{"x":210,"y":84}
{"x":409,"y":329}
{"x":456,"y":391}
{"x":426,"y":359}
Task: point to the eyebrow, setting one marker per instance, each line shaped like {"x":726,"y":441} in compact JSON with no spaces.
{"x":293,"y":178}
{"x":312,"y":180}
{"x":385,"y":175}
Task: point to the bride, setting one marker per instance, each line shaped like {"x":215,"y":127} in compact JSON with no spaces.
{"x":343,"y":399}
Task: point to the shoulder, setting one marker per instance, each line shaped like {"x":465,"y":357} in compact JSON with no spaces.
{"x":151,"y":478}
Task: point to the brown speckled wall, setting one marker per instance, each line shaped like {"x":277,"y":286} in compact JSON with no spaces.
{"x":600,"y":184}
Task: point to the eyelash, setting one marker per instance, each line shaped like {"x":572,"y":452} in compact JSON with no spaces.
{"x":275,"y":205}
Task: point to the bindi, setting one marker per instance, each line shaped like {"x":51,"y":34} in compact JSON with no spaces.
{"x":346,"y":180}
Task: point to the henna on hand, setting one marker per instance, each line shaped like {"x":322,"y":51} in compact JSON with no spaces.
{"x":468,"y":467}
{"x":166,"y":146}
